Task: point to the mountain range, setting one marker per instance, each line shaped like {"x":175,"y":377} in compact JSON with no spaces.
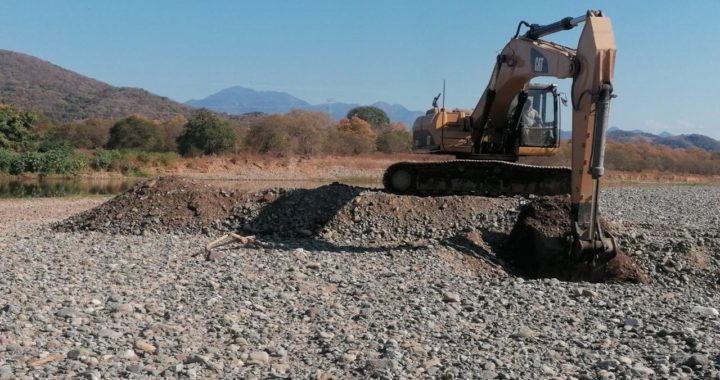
{"x":690,"y":141}
{"x":240,"y":100}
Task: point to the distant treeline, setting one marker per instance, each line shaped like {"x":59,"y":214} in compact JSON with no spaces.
{"x":643,"y":156}
{"x":32,"y":143}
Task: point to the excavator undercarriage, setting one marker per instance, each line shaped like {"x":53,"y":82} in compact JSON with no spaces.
{"x":476,"y":177}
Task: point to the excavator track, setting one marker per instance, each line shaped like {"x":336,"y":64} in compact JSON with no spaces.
{"x":475,"y":177}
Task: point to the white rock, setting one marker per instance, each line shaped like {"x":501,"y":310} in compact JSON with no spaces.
{"x":706,"y":311}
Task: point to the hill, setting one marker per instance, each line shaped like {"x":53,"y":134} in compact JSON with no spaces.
{"x":63,"y":95}
{"x":239,"y":100}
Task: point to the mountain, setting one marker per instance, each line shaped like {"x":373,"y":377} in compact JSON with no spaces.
{"x":31,"y":83}
{"x":239,"y":100}
{"x":691,"y":141}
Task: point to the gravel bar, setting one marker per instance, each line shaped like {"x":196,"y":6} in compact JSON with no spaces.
{"x":356,"y":295}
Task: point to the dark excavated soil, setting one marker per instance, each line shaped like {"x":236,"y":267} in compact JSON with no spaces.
{"x":166,"y":204}
{"x":540,"y":245}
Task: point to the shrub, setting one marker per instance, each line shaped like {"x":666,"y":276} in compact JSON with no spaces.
{"x":396,"y":139}
{"x":135,"y":133}
{"x":103,"y":159}
{"x":170,"y":130}
{"x":351,"y":136}
{"x":86,"y":134}
{"x":270,"y":136}
{"x":297,"y":132}
{"x":16,"y":128}
{"x":205,"y":133}
{"x":7,"y":158}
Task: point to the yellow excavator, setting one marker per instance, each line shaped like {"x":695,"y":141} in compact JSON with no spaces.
{"x":515,"y":118}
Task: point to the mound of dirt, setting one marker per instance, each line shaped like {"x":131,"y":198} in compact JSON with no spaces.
{"x":295,"y":212}
{"x":540,"y":243}
{"x":341,"y":213}
{"x":165,"y":204}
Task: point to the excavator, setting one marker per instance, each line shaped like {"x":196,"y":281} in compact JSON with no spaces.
{"x":515,"y":118}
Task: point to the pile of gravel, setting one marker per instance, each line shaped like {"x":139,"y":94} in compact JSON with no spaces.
{"x":166,"y":204}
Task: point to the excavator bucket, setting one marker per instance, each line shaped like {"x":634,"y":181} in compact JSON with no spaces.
{"x":541,"y":245}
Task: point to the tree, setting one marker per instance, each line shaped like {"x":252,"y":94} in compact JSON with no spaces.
{"x":373,"y":115}
{"x":135,"y":132}
{"x":16,"y":128}
{"x":205,"y":133}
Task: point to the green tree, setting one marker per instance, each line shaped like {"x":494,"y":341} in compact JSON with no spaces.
{"x":373,"y":115}
{"x":135,"y":133}
{"x":16,"y":128}
{"x":205,"y":133}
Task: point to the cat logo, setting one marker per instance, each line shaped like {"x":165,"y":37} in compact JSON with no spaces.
{"x":538,"y":61}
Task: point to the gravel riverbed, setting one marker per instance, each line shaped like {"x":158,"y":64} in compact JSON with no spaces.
{"x":374,"y":285}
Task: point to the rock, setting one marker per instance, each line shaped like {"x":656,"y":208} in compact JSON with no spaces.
{"x":451,"y":297}
{"x":378,"y":366}
{"x":643,"y":371}
{"x":487,"y":375}
{"x":524,"y":332}
{"x":348,"y":358}
{"x":705,"y":311}
{"x":108,"y":333}
{"x":326,"y":335}
{"x":548,"y":370}
{"x":77,"y":353}
{"x":123,"y":308}
{"x":608,"y":364}
{"x":259,"y":357}
{"x":67,"y":312}
{"x":144,"y":346}
{"x":6,"y":372}
{"x":632,"y":322}
{"x":128,"y":354}
{"x":199,"y":359}
{"x":313,"y":265}
{"x":45,"y":360}
{"x":434,"y":362}
{"x":584,"y":292}
{"x":625,"y":360}
{"x":696,"y":360}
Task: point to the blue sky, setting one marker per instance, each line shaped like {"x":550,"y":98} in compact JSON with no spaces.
{"x":366,"y":51}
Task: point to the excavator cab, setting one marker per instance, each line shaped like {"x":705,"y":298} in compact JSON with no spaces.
{"x":537,"y":119}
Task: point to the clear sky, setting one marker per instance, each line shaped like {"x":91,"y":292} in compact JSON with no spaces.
{"x":366,"y":51}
